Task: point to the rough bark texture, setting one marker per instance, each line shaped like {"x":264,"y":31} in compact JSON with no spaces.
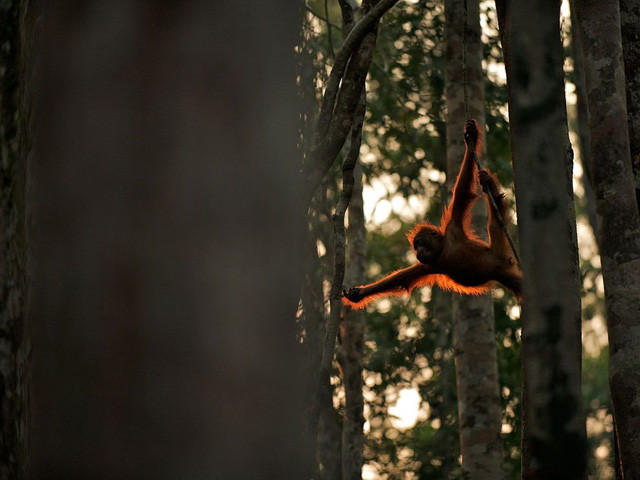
{"x":14,"y":344}
{"x":617,"y":208}
{"x":553,"y":434}
{"x":479,"y":402}
{"x":630,"y":30}
{"x":166,"y":243}
{"x":352,"y":346}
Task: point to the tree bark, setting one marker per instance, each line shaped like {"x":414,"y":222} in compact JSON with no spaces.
{"x":479,"y":403}
{"x":14,"y":144}
{"x":326,"y":429}
{"x":553,"y":434}
{"x":167,"y":259}
{"x":617,"y":207}
{"x":630,"y":31}
{"x":352,"y":346}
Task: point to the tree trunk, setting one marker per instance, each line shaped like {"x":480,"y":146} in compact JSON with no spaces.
{"x":617,"y":207}
{"x":582,"y":126}
{"x":553,"y":434}
{"x":352,"y":347}
{"x":167,"y":259}
{"x":479,"y":403}
{"x":630,"y":31}
{"x":14,"y":142}
{"x":328,"y":428}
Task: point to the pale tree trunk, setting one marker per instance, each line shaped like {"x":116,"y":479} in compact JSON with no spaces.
{"x":167,"y":259}
{"x":630,"y":30}
{"x":352,"y":346}
{"x":554,"y":430}
{"x":479,"y":403}
{"x":599,"y":24}
{"x":14,"y":346}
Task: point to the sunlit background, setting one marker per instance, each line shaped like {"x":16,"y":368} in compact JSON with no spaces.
{"x":409,"y":378}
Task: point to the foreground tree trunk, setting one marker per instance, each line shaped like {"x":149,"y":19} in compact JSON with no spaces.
{"x":167,"y":242}
{"x":553,"y":423}
{"x":479,"y":403}
{"x":14,"y":142}
{"x":599,"y":24}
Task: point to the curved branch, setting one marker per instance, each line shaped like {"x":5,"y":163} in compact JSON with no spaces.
{"x":336,"y":116}
{"x":357,"y":33}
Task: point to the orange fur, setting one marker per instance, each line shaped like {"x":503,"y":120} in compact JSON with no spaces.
{"x":411,"y":234}
{"x":443,"y":281}
{"x":480,"y":141}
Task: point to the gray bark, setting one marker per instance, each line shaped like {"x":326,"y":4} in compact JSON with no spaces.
{"x":553,"y":423}
{"x":479,"y":402}
{"x":167,"y":259}
{"x":14,"y":143}
{"x":617,"y":208}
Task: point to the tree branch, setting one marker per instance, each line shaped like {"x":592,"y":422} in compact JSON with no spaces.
{"x":336,"y":116}
{"x":335,"y":295}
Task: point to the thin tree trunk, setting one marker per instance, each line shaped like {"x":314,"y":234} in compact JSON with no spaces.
{"x":14,"y":140}
{"x":582,"y":127}
{"x":553,"y":434}
{"x":441,"y":307}
{"x":352,"y":346}
{"x":630,"y":31}
{"x":599,"y":24}
{"x":167,"y":259}
{"x":479,"y":403}
{"x":326,"y":429}
{"x":352,"y":83}
{"x":353,"y":323}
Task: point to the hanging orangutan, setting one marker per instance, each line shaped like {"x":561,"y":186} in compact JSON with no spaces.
{"x":451,"y":255}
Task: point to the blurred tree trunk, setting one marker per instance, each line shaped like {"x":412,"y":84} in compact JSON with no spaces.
{"x":14,"y":145}
{"x":599,"y":24}
{"x":630,"y":31}
{"x":553,"y":433}
{"x":352,"y":346}
{"x":167,"y":239}
{"x":479,"y":403}
{"x":582,"y":125}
